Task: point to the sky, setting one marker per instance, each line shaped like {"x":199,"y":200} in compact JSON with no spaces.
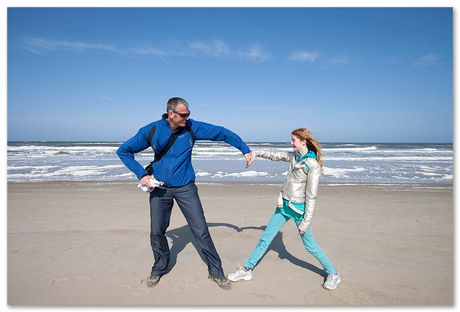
{"x":346,"y":74}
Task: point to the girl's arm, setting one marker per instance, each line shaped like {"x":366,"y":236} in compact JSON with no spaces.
{"x":311,"y":190}
{"x":280,"y":156}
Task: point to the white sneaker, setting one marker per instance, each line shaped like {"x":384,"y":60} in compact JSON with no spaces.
{"x":241,"y":273}
{"x":332,"y":281}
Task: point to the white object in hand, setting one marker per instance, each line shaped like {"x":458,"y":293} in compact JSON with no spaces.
{"x":155,"y":183}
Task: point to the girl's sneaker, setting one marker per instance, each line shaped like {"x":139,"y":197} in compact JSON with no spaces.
{"x":241,"y":273}
{"x":332,"y":281}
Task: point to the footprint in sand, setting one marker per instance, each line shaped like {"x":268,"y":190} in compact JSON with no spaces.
{"x":133,"y":291}
{"x":187,"y":281}
{"x":70,"y":280}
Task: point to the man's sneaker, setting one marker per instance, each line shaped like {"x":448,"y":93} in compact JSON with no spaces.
{"x":153,"y":280}
{"x":222,"y":282}
{"x":332,"y":281}
{"x":241,"y":273}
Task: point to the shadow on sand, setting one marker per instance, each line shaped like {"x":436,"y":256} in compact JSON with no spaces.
{"x":182,"y":236}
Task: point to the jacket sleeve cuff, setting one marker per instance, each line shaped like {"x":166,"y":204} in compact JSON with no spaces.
{"x":304,"y":227}
{"x":245,"y":150}
{"x":141,"y":174}
{"x":144,"y":176}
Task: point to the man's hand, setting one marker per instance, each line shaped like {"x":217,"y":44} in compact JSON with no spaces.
{"x":250,"y":158}
{"x":145,"y":181}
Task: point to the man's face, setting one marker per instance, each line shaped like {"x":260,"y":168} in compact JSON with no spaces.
{"x":175,"y":118}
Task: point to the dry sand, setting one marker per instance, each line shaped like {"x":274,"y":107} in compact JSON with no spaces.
{"x":87,"y":243}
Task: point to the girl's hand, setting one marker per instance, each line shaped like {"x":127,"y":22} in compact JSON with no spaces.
{"x":301,"y":232}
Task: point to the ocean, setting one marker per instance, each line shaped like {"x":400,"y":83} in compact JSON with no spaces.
{"x":369,"y":163}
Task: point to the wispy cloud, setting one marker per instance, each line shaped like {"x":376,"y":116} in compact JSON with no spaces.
{"x":394,"y":61}
{"x":38,"y":45}
{"x":429,"y":59}
{"x":214,"y":49}
{"x":205,"y":105}
{"x":104,"y":97}
{"x":42,"y":46}
{"x":254,"y":54}
{"x":146,"y":51}
{"x":338,"y":60}
{"x":304,"y":56}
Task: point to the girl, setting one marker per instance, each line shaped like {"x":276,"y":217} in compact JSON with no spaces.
{"x":296,"y":201}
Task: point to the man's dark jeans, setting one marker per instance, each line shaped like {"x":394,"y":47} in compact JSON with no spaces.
{"x":161,"y":203}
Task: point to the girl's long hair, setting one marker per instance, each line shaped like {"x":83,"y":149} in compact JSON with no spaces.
{"x":312,"y":144}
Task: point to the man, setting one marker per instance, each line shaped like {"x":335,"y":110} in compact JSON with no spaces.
{"x":176,"y":171}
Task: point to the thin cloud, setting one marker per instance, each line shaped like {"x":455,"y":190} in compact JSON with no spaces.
{"x":147,"y":51}
{"x":41,"y":46}
{"x":221,"y":50}
{"x":38,"y":45}
{"x":429,"y":59}
{"x":339,"y":60}
{"x":215,"y":49}
{"x":394,"y":61}
{"x":221,"y":47}
{"x":81,"y":46}
{"x":254,"y":54}
{"x":304,"y":56}
{"x":258,"y":30}
{"x":205,"y":105}
{"x":200,"y":47}
{"x":104,"y":97}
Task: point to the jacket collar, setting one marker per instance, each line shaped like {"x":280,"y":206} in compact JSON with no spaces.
{"x":310,"y":154}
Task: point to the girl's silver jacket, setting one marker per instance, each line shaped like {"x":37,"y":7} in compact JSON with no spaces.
{"x":301,"y":185}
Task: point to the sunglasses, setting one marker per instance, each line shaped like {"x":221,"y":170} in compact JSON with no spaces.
{"x":182,"y":115}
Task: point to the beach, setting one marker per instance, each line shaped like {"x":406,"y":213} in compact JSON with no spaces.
{"x":87,"y":243}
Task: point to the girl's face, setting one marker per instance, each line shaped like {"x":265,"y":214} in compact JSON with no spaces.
{"x":297,"y":144}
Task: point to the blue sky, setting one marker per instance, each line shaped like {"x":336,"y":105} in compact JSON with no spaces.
{"x":347,"y":74}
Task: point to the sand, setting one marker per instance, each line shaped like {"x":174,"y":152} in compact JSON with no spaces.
{"x":87,"y":243}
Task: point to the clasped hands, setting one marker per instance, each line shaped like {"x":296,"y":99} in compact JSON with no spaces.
{"x":250,"y":158}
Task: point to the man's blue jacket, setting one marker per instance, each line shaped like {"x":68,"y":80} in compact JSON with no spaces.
{"x":175,"y":168}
